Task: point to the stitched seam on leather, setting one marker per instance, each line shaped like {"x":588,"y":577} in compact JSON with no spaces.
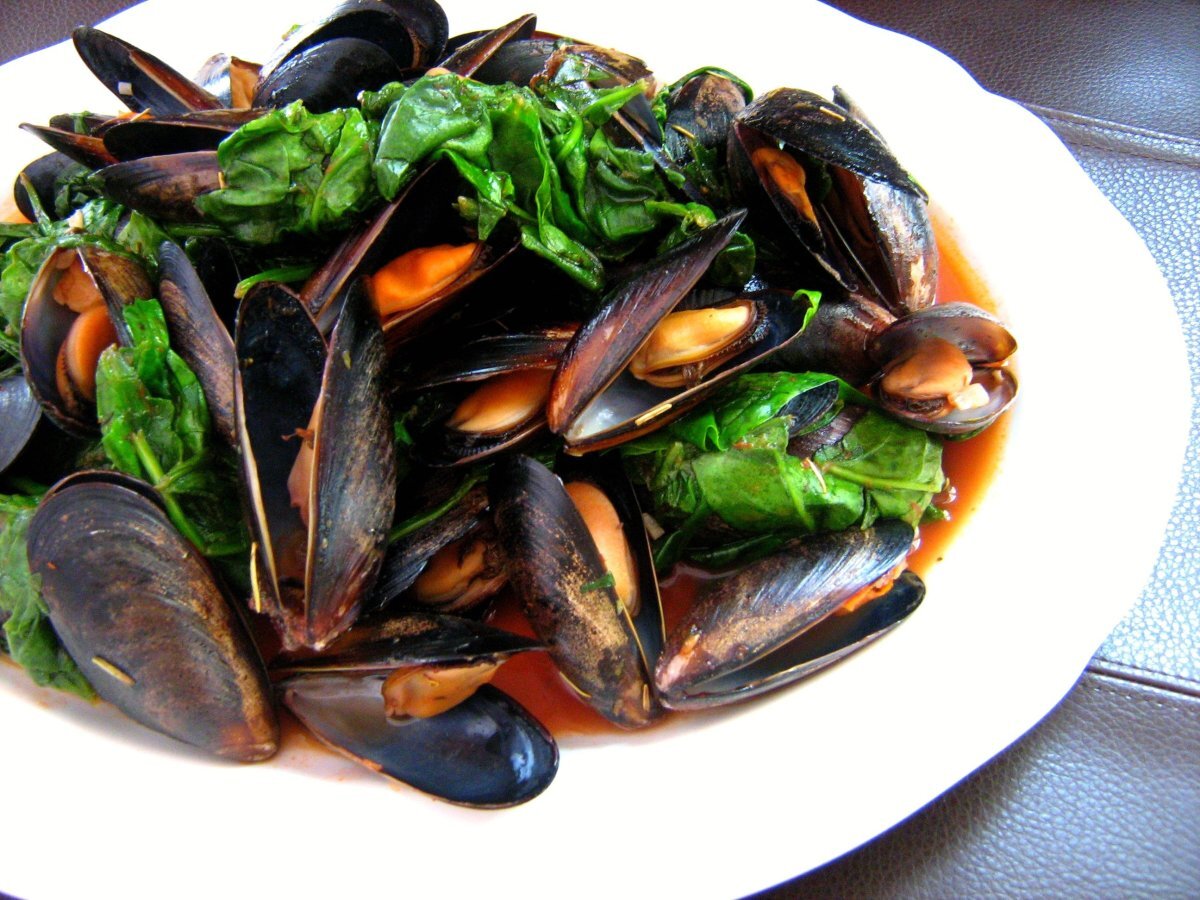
{"x":1142,"y":134}
{"x":1176,"y":684}
{"x":1116,"y":691}
{"x":1131,"y":142}
{"x":1130,"y":149}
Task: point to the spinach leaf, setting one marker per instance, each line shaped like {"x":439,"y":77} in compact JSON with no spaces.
{"x":27,"y":634}
{"x":99,"y":222}
{"x":729,"y":463}
{"x":293,"y":172}
{"x":155,"y":426}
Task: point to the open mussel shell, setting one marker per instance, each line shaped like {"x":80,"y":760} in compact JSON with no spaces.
{"x":422,"y":216}
{"x":46,"y":327}
{"x":485,"y":752}
{"x":563,"y":584}
{"x":984,"y":343}
{"x":407,"y":556}
{"x":313,"y":577}
{"x":86,"y":149}
{"x":603,"y":347}
{"x":630,"y":406}
{"x":328,"y":75}
{"x":198,"y":335}
{"x":230,"y":79}
{"x":700,"y":112}
{"x":45,"y":175}
{"x":411,"y":639}
{"x":163,"y":187}
{"x":730,"y":643}
{"x":866,"y":226}
{"x":515,"y":416}
{"x":469,"y":53}
{"x":139,"y":80}
{"x":141,"y":612}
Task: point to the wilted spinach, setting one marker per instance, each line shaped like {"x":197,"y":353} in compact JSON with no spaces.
{"x":155,"y":426}
{"x":729,"y":463}
{"x":28,"y":636}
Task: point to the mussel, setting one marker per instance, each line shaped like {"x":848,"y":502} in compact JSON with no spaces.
{"x":141,"y":611}
{"x":757,"y":629}
{"x":406,"y":697}
{"x":841,"y":192}
{"x":564,"y":555}
{"x":316,"y":441}
{"x":72,"y":313}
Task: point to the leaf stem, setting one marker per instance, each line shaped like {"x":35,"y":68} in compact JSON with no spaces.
{"x":158,"y":478}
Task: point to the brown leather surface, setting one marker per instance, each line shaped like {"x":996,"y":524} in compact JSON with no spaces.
{"x":24,"y":32}
{"x":1099,"y":801}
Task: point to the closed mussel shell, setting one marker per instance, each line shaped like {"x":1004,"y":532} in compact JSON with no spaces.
{"x":141,"y":612}
{"x":20,"y":413}
{"x":728,"y":646}
{"x":164,"y":186}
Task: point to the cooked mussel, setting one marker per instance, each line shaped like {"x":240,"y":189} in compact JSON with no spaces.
{"x":20,"y":413}
{"x":141,"y":612}
{"x":361,"y":45}
{"x":139,"y":80}
{"x":942,"y":369}
{"x":841,"y":192}
{"x":72,"y":313}
{"x":750,"y":631}
{"x":316,"y":440}
{"x":600,"y":632}
{"x":637,"y":364}
{"x":406,"y":698}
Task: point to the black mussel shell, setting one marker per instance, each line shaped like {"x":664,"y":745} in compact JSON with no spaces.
{"x":411,"y":639}
{"x":86,"y":149}
{"x":198,"y":335}
{"x":20,"y":413}
{"x":45,"y":175}
{"x":469,"y":54}
{"x":838,"y":340}
{"x":407,"y":556}
{"x":485,"y":752}
{"x":865,"y":225}
{"x":141,"y":612}
{"x":412,"y":32}
{"x":328,"y":75}
{"x":164,"y":187}
{"x":557,"y":574}
{"x":280,"y":360}
{"x":712,"y":655}
{"x":139,"y":80}
{"x":830,"y":640}
{"x":45,"y":325}
{"x":985,"y":343}
{"x":313,"y":578}
{"x":184,"y":133}
{"x":603,"y":347}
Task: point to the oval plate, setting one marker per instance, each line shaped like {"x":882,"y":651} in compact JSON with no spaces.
{"x":722,"y":804}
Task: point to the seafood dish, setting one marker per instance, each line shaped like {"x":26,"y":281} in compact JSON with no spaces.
{"x":405,"y":355}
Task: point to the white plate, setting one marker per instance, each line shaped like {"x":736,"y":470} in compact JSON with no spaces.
{"x":744,"y":799}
